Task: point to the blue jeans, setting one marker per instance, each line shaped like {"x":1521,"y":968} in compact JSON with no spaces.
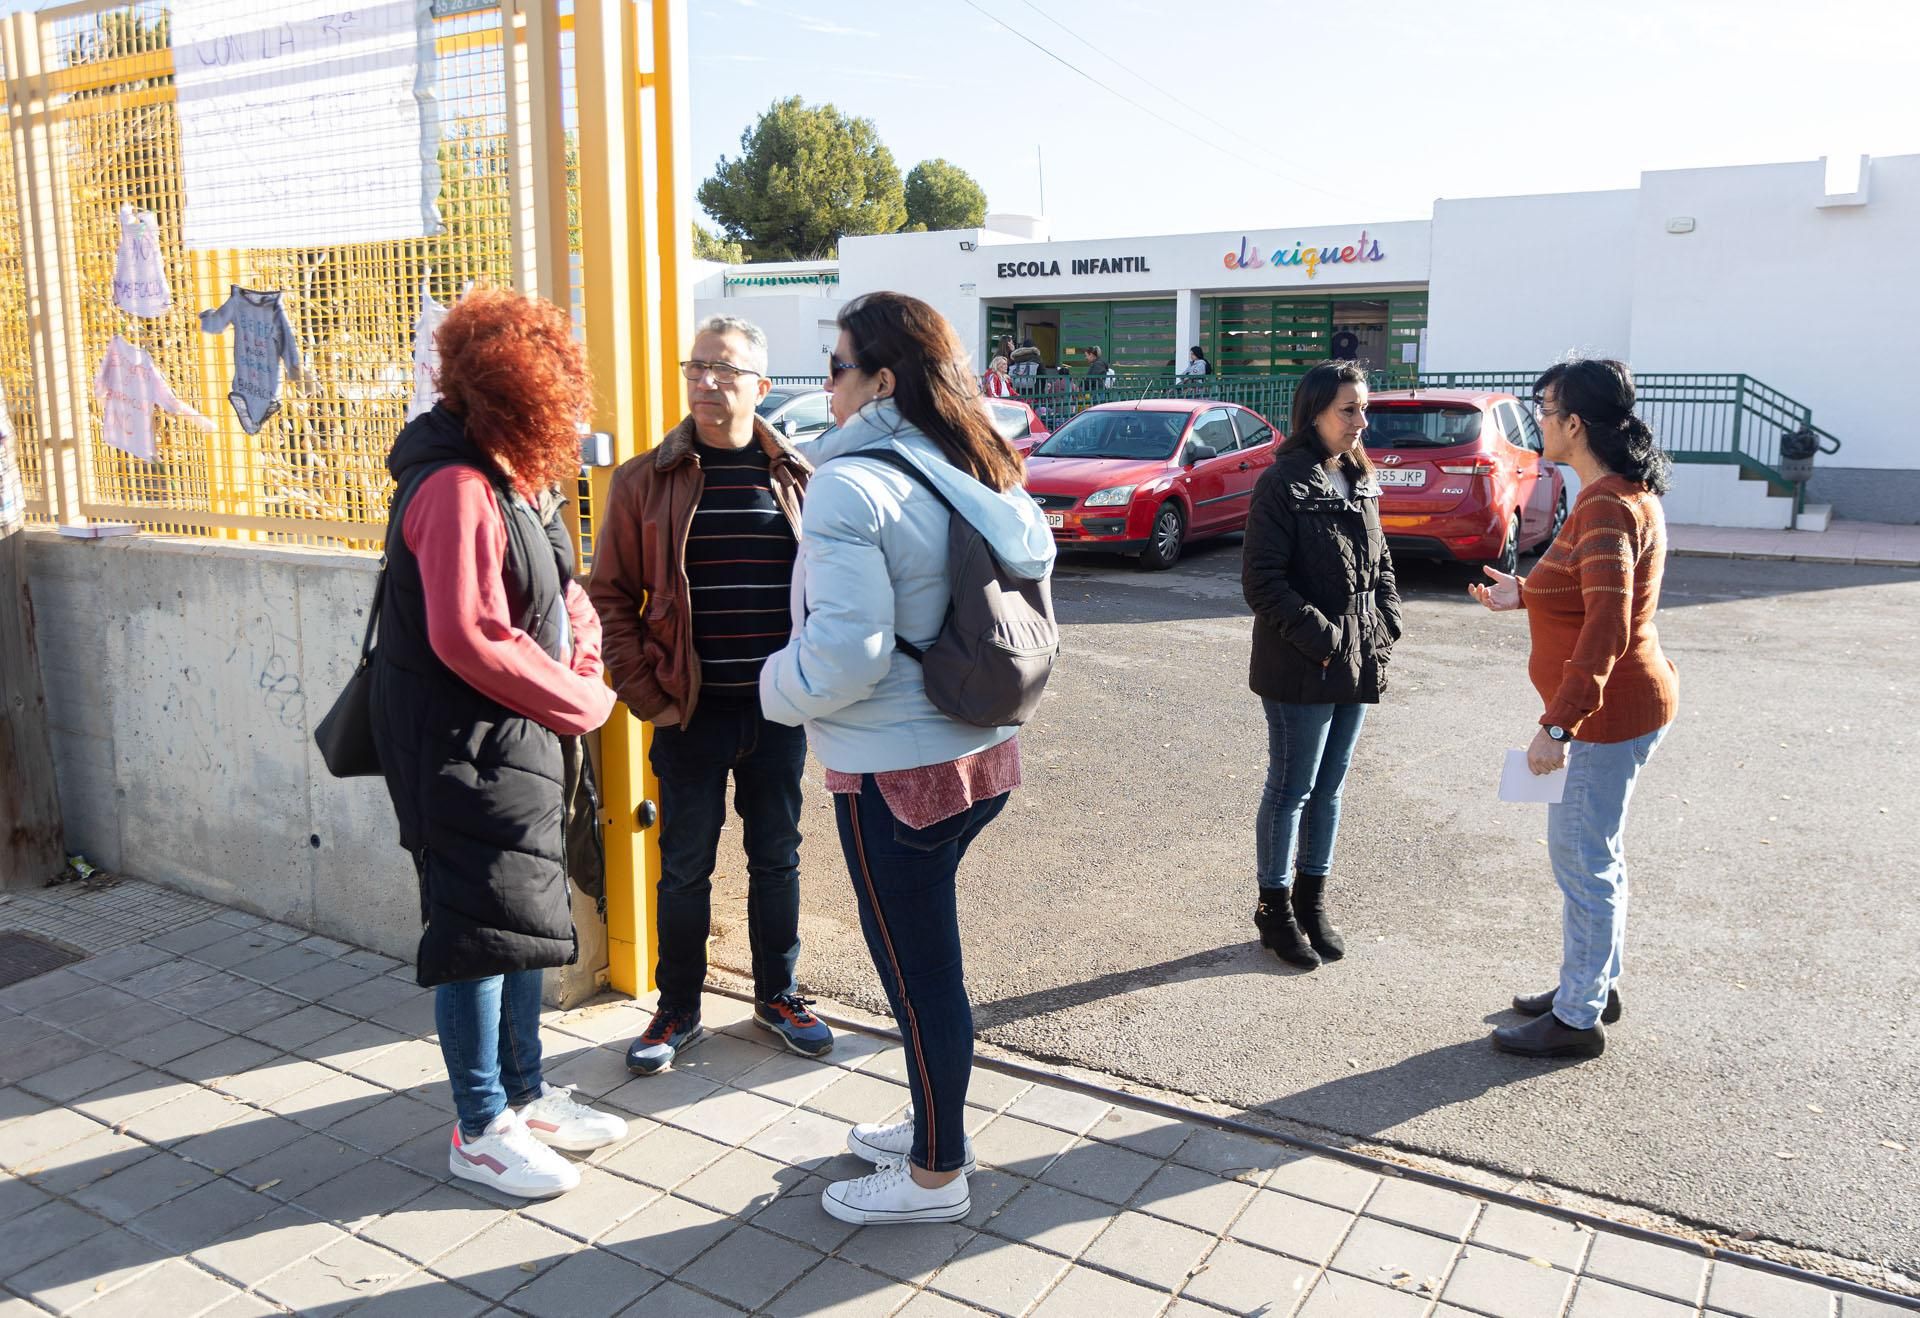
{"x":1586,"y":840}
{"x":903,"y":882}
{"x":490,"y":1037}
{"x":1308,"y":750}
{"x":692,"y":764}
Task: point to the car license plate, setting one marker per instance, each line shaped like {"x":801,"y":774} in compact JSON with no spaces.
{"x":1396,"y":476}
{"x":1056,"y":519}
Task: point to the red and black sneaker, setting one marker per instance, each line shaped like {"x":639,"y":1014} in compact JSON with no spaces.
{"x":670,"y":1030}
{"x":788,"y":1017}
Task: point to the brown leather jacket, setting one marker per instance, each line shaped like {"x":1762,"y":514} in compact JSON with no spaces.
{"x":639,"y":584}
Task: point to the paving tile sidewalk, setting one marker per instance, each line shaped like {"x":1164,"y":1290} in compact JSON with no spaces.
{"x":1879,"y":544}
{"x":234,"y":1118}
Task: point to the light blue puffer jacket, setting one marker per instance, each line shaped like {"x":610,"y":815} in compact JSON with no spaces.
{"x":873,"y":563}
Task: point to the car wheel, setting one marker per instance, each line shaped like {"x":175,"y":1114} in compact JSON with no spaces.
{"x":1559,"y":517}
{"x":1169,"y":532}
{"x":1509,"y":559}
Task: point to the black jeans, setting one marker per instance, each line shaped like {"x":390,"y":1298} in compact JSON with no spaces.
{"x":903,"y":881}
{"x":692,"y":764}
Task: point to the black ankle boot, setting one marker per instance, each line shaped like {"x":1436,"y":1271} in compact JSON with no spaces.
{"x":1309,"y":908}
{"x":1273,"y":917}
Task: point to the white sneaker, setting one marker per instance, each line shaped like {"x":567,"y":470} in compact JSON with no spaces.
{"x":507,"y":1157}
{"x":891,"y":1195}
{"x":882,"y":1144}
{"x":555,"y":1119}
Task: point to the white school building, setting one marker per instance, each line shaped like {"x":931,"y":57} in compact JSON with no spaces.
{"x":1788,"y":290}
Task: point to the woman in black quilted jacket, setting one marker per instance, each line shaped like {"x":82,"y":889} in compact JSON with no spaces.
{"x":1316,"y":572}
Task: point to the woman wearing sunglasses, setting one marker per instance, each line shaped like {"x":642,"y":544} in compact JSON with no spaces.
{"x":1609,"y":690}
{"x":912,"y":788}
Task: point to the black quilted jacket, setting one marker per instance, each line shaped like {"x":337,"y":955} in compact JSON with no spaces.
{"x":1317,"y":574}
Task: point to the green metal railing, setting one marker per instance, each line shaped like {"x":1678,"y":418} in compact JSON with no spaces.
{"x":1710,"y":417}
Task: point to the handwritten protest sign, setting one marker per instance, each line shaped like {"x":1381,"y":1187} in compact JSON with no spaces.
{"x":303,"y":124}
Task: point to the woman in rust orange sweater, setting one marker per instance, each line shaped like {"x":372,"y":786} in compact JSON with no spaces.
{"x":1608,"y":690}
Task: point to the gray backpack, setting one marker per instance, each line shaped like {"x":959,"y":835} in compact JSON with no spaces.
{"x":996,"y":648}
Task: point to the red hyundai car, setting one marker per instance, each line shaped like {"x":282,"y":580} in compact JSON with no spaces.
{"x":1146,"y":476}
{"x":1462,"y":477}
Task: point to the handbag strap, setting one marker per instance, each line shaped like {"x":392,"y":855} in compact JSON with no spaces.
{"x":373,"y":612}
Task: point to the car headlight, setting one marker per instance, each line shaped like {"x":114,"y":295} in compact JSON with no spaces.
{"x":1110,"y":498}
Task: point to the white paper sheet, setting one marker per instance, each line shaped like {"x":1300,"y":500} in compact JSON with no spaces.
{"x":303,"y":124}
{"x":1519,"y":783}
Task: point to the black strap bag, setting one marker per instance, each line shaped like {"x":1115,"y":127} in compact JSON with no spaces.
{"x":345,"y":735}
{"x":996,"y":648}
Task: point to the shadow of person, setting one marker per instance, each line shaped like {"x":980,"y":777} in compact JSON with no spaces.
{"x":1378,"y":1101}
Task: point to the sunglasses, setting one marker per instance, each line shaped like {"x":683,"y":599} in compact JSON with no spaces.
{"x":837,"y":368}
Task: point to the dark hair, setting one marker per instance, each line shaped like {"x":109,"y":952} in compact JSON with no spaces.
{"x":1195,"y":350}
{"x":1600,"y":392}
{"x":1315,"y":394}
{"x":933,"y":382}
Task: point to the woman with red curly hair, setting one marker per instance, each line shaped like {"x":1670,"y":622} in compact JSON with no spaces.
{"x":486,"y":676}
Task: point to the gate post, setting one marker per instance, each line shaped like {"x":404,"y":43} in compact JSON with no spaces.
{"x":60,"y":383}
{"x":634,"y":235}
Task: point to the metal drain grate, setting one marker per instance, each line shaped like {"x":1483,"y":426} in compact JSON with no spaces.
{"x":24,"y":955}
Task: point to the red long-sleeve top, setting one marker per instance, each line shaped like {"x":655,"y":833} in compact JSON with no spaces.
{"x":1590,"y":602}
{"x":458,"y":536}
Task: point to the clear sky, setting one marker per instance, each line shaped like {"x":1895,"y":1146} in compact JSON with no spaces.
{"x":1326,"y":112}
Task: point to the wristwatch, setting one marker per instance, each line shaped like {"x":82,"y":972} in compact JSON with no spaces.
{"x":1558,"y":733}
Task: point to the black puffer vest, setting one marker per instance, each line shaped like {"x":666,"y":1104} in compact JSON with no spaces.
{"x":482,"y":793}
{"x":1316,"y":572}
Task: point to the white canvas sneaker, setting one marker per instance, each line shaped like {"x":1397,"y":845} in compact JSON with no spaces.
{"x":507,"y":1157}
{"x":556,"y":1119}
{"x":882,"y":1144}
{"x":891,"y":1195}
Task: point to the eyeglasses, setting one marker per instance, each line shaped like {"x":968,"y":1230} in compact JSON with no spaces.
{"x":722,"y":372}
{"x":1541,"y":411}
{"x":837,"y":368}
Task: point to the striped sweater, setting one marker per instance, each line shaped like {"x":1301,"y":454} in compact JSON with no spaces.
{"x":739,"y":560}
{"x":1590,"y":601}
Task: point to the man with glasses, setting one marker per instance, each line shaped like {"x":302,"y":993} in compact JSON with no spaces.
{"x":691,"y":578}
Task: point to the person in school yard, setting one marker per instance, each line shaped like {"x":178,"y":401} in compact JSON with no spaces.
{"x":912,"y":788}
{"x":1326,"y":615}
{"x":486,"y":675}
{"x":1023,"y":363}
{"x":1197,"y":363}
{"x":996,"y":384}
{"x":691,"y":576}
{"x":1099,"y":371}
{"x":1610,"y":692}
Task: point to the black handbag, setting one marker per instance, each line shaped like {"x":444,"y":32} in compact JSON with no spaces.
{"x":345,"y":735}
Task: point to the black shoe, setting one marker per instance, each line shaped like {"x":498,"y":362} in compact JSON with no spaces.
{"x":1273,"y":917}
{"x":671,"y":1030}
{"x":1547,"y":1036}
{"x":1309,"y":908}
{"x":1539,"y":1004}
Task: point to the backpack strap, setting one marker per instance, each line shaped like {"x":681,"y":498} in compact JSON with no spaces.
{"x":895,"y":458}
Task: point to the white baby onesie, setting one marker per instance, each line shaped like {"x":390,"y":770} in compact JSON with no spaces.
{"x":129,"y":387}
{"x":139,"y":275}
{"x":426,"y":354}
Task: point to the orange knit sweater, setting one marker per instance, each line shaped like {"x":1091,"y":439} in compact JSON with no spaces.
{"x":1590,"y":601}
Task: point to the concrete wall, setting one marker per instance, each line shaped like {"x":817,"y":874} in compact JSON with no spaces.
{"x":183,"y":682}
{"x":1518,"y":282}
{"x":1817,"y":301}
{"x":800,"y":327}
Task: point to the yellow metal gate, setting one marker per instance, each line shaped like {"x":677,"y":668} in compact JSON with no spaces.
{"x":562,"y":160}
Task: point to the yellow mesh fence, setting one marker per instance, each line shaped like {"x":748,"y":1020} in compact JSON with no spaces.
{"x":315,"y":472}
{"x":16,"y":352}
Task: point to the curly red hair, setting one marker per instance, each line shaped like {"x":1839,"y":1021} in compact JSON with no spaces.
{"x":512,"y":369}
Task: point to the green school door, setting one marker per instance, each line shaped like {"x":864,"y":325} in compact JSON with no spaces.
{"x":1135,"y":337}
{"x":1287,"y":335}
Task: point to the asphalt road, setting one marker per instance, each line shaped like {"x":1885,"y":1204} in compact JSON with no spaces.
{"x":1772,"y":1036}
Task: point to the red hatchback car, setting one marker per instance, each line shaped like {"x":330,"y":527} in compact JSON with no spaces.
{"x":1462,"y":476}
{"x":1146,"y":476}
